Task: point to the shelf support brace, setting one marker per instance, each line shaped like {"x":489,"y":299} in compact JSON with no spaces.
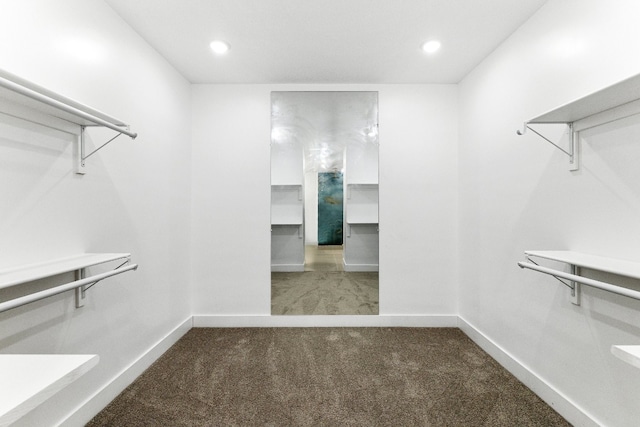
{"x":575,"y":288}
{"x":573,"y":144}
{"x":573,"y":285}
{"x":80,"y":292}
{"x":82,"y":156}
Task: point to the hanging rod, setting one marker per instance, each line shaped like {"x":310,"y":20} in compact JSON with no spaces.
{"x":584,"y":280}
{"x":17,"y":302}
{"x":47,"y":97}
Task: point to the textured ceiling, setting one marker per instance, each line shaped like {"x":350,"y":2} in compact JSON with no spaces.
{"x":325,"y":41}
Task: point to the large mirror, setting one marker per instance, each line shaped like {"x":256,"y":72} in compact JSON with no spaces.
{"x":324,"y":203}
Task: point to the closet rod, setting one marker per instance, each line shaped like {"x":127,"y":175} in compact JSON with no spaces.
{"x":46,"y":97}
{"x":17,"y":302}
{"x":584,"y":280}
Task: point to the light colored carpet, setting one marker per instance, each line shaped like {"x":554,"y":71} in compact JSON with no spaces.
{"x":324,"y":292}
{"x":327,"y":377}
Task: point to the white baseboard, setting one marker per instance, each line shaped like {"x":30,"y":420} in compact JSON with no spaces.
{"x":95,"y":403}
{"x":360,"y":267}
{"x":554,"y":398}
{"x":287,"y":268}
{"x":267,"y":321}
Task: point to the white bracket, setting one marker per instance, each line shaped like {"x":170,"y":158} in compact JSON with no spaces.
{"x":80,"y":293}
{"x":574,"y":287}
{"x":576,"y":290}
{"x":81,"y":155}
{"x":574,"y":138}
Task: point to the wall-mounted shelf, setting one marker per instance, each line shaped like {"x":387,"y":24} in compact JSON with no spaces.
{"x":30,"y":379}
{"x":78,"y":263}
{"x":360,"y":249}
{"x":628,"y":353}
{"x":287,"y":227}
{"x":31,"y":272}
{"x":25,"y":97}
{"x":612,"y":103}
{"x":362,"y":204}
{"x":576,"y":261}
{"x":287,"y":204}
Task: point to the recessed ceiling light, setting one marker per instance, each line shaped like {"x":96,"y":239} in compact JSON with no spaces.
{"x":431,"y":46}
{"x":219,"y":47}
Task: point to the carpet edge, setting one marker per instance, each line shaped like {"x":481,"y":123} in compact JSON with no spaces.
{"x":101,"y":398}
{"x":547,"y":392}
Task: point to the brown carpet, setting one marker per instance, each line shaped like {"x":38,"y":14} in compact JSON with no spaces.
{"x":326,"y":377}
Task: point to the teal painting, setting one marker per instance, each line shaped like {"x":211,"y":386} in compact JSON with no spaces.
{"x":330,"y":208}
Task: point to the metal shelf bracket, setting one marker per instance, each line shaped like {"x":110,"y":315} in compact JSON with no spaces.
{"x":80,"y":292}
{"x":573,"y":151}
{"x":572,"y":285}
{"x":81,"y":155}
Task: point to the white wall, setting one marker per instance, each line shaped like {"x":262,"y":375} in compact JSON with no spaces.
{"x":311,"y":207}
{"x":418,"y":197}
{"x":134,"y":198}
{"x":517,"y":194}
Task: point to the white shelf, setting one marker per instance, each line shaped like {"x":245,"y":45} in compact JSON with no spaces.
{"x":29,"y":273}
{"x":286,"y":204}
{"x":282,"y":218}
{"x":27,"y":380}
{"x":628,"y":353}
{"x":594,"y":262}
{"x":370,"y":185}
{"x":613,"y":96}
{"x":363,"y":184}
{"x":285,"y":184}
{"x":20,"y":91}
{"x":30,"y":102}
{"x":362,"y":204}
{"x":363,"y":217}
{"x":577,"y":261}
{"x":615,"y":102}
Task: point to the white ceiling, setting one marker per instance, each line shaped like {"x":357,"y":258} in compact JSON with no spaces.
{"x":325,"y":41}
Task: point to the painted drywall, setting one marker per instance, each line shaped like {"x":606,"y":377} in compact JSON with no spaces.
{"x":517,"y":194}
{"x":311,"y":208}
{"x":134,"y":197}
{"x":418,"y":197}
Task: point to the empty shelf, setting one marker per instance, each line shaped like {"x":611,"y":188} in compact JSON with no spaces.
{"x":287,"y":205}
{"x":17,"y":90}
{"x":29,"y":273}
{"x":30,"y":379}
{"x":628,"y":353}
{"x":618,"y":94}
{"x":362,"y":204}
{"x":594,"y":262}
{"x":362,"y":216}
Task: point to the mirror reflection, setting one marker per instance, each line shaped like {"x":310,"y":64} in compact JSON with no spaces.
{"x":324,"y":203}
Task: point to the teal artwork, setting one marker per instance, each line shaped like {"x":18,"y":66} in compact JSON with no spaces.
{"x":330,"y":208}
